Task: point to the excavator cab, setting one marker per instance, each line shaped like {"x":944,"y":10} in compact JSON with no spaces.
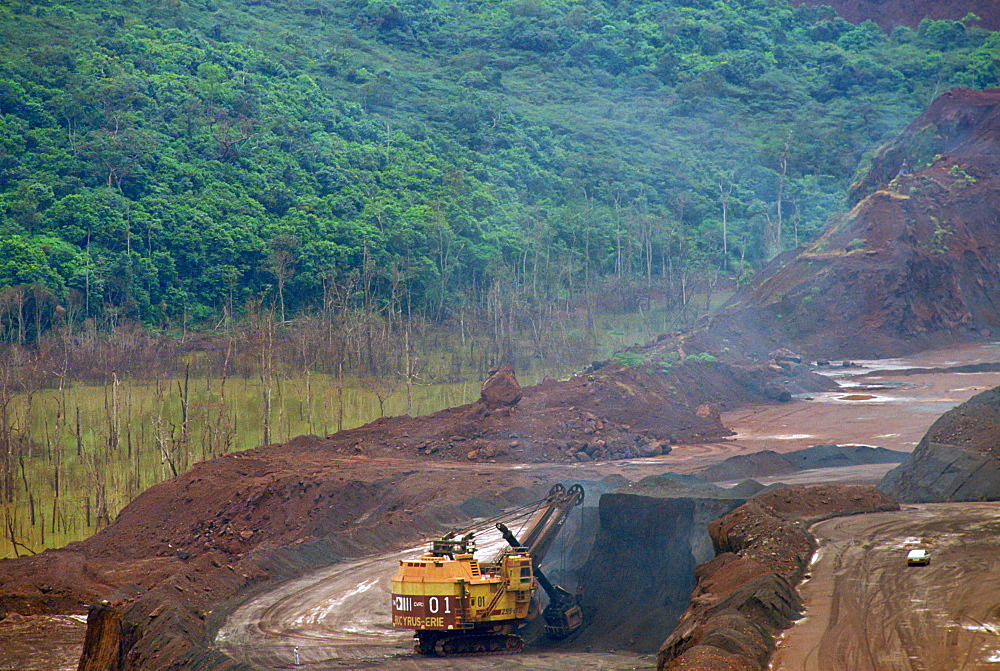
{"x":449,"y":546}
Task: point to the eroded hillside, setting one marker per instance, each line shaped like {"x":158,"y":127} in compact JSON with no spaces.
{"x":911,"y":265}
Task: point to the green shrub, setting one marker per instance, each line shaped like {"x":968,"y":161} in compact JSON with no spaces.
{"x":629,"y":358}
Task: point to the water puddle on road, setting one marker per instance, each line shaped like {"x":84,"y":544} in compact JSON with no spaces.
{"x":841,"y":397}
{"x":874,"y":405}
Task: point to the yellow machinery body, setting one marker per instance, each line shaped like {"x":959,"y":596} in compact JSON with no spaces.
{"x":458,"y":605}
{"x":445,"y":594}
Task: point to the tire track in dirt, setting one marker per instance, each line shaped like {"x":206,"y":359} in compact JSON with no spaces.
{"x":866,"y":610}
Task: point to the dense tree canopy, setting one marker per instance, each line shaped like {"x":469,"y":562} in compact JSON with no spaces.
{"x":182,"y":157}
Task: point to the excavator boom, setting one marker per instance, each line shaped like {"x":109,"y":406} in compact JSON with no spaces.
{"x":545,"y":524}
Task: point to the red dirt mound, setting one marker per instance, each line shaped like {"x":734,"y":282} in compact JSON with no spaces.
{"x":910,"y":266}
{"x":958,"y":459}
{"x":613,"y":412}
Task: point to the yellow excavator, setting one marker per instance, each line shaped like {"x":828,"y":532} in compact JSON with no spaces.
{"x":461,"y":606}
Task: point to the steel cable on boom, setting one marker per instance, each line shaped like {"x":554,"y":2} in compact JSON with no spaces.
{"x":512,"y":515}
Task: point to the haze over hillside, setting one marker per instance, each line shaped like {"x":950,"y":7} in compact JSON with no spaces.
{"x":910,"y":266}
{"x":169,"y":162}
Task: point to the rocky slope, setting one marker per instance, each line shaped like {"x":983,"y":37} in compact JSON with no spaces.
{"x":639,"y":575}
{"x":957,"y":460}
{"x":912,"y":264}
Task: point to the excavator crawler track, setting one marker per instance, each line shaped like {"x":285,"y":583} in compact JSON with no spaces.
{"x":466,"y":645}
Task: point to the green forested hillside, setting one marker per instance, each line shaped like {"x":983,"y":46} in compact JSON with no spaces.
{"x":171,"y":160}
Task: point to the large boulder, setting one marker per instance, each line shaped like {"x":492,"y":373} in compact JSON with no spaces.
{"x":501,"y":389}
{"x":957,"y":460}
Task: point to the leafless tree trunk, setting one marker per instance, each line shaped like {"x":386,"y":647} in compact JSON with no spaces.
{"x":773,"y":236}
{"x":725,"y":194}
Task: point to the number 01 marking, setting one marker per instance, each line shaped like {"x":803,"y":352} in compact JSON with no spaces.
{"x":434,"y":605}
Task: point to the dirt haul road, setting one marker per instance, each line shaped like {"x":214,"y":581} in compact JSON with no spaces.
{"x":338,"y":618}
{"x":866,"y":610}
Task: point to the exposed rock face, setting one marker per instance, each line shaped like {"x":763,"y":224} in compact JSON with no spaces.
{"x":501,"y":388}
{"x":641,"y":571}
{"x":957,"y":460}
{"x":910,"y":266}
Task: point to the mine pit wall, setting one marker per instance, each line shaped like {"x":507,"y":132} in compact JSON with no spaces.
{"x":641,"y":570}
{"x":568,"y":554}
{"x":939,"y":473}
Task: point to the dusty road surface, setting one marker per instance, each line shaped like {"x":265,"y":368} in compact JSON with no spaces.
{"x":866,"y":610}
{"x":49,"y":642}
